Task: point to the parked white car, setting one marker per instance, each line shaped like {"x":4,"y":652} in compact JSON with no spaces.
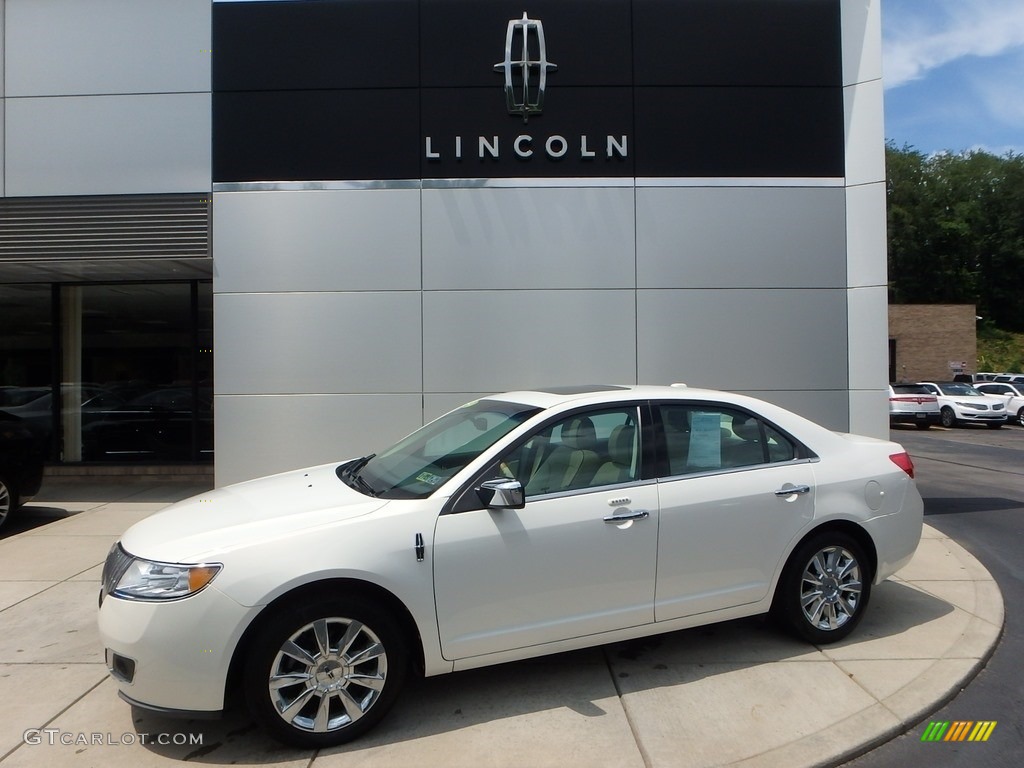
{"x":1012,"y":394}
{"x":961,"y":403}
{"x":518,"y":525}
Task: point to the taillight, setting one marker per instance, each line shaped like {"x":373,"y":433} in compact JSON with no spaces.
{"x":902,"y":460}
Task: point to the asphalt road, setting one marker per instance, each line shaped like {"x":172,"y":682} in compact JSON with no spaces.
{"x":972,"y":481}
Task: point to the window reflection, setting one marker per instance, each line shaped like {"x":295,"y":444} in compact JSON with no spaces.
{"x":128,"y":377}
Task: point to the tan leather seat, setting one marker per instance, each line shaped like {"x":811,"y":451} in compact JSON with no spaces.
{"x":572,"y":462}
{"x":620,"y":466}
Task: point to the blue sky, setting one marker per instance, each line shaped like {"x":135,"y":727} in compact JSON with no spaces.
{"x":953,"y":72}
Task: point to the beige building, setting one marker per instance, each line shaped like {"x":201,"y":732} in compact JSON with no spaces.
{"x":932,"y":342}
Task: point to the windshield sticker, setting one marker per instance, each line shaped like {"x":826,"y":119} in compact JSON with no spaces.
{"x":705,"y":441}
{"x":429,"y":478}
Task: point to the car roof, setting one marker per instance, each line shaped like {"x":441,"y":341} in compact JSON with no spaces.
{"x":549,"y":397}
{"x":557,"y":397}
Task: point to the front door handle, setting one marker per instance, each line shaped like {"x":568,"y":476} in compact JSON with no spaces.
{"x":638,"y":514}
{"x":789,"y":490}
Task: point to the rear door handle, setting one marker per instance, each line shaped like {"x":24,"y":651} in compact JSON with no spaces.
{"x":789,"y":490}
{"x":638,"y":514}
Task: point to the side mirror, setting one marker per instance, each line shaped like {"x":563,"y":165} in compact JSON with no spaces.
{"x":502,"y":493}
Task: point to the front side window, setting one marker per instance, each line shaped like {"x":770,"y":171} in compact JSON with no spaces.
{"x":582,"y":451}
{"x":418,"y":464}
{"x":705,"y":438}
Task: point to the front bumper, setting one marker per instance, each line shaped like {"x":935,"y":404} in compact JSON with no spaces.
{"x":174,"y":655}
{"x":983,"y":416}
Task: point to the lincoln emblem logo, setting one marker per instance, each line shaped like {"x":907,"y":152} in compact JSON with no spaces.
{"x":526,"y":75}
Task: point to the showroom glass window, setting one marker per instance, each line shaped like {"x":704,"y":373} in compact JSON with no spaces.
{"x":27,"y":362}
{"x":113,"y":373}
{"x":137,"y":373}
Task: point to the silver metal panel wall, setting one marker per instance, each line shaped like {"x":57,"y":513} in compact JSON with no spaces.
{"x":106,"y":97}
{"x":744,"y":340}
{"x":867,"y":298}
{"x":317,"y":343}
{"x":263,"y":434}
{"x":89,"y":47}
{"x":736,"y":237}
{"x":491,"y":341}
{"x":318,"y":240}
{"x":108,"y":145}
{"x":579,"y":237}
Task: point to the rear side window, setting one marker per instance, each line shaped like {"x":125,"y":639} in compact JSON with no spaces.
{"x":705,"y":438}
{"x":910,"y":389}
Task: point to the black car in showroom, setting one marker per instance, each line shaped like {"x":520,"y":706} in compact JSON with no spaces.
{"x":21,"y":464}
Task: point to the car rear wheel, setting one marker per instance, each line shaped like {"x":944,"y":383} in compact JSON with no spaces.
{"x":325,"y":671}
{"x":925,"y":425}
{"x":995,"y":426}
{"x":8,"y":500}
{"x":948,"y":417}
{"x":1020,"y":417}
{"x":825,"y":588}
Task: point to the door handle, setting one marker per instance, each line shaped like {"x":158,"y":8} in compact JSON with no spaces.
{"x":638,"y":514}
{"x":789,"y":490}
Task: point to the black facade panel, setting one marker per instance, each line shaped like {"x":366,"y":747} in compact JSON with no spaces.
{"x":577,"y":115}
{"x":312,"y":135}
{"x":355,"y":89}
{"x":280,"y":46}
{"x":589,"y":40}
{"x":740,"y":132}
{"x":738,"y":42}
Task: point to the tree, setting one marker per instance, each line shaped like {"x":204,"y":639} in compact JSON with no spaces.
{"x":956,"y":231}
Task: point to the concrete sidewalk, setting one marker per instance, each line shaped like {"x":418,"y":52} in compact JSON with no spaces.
{"x":738,"y":693}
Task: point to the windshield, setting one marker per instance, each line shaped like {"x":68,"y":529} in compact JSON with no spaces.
{"x":415,"y":466}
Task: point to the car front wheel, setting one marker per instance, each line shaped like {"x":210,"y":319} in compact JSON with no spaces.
{"x":824,"y":588}
{"x":8,"y":500}
{"x":1020,"y":417}
{"x":948,"y":417}
{"x":325,"y":671}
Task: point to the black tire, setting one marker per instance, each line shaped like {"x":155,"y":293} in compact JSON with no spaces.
{"x":926,"y":425}
{"x":948,"y":417}
{"x":1020,"y":417}
{"x":824,"y":588}
{"x":331,"y":702}
{"x":993,"y":425}
{"x":8,"y":500}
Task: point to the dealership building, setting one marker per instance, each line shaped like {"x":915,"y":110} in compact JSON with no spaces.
{"x":297,"y":230}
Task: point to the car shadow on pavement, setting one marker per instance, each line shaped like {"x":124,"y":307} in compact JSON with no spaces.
{"x":31,"y":517}
{"x":953,"y":505}
{"x":569,"y":693}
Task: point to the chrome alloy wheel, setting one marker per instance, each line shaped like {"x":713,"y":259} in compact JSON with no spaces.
{"x":7,"y":501}
{"x":830,"y":588}
{"x":328,"y":675}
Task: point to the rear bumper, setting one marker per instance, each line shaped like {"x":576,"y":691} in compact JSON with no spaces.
{"x":916,"y":417}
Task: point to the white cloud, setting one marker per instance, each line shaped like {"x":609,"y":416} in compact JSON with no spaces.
{"x":920,"y":35}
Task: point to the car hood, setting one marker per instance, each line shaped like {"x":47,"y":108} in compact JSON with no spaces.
{"x":207,"y":526}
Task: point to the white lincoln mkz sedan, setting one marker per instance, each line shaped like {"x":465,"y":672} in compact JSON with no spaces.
{"x":518,"y":525}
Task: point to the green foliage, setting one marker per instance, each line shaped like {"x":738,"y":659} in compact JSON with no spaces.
{"x":999,"y":350}
{"x":956,"y":231}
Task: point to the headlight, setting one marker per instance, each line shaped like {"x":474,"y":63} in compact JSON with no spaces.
{"x":150,"y":580}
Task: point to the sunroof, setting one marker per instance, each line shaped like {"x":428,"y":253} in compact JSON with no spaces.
{"x":579,"y":389}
